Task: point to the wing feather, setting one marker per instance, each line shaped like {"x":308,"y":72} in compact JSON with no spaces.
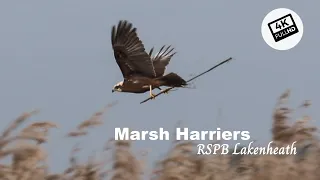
{"x":161,"y":59}
{"x":129,"y":51}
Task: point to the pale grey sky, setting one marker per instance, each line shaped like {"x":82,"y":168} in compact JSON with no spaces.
{"x":56,"y":56}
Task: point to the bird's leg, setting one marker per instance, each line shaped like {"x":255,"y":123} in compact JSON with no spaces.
{"x":152,"y":96}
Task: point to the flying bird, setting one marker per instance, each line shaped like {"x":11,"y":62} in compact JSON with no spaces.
{"x":141,"y":71}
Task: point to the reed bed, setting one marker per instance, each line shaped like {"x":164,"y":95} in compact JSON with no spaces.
{"x":28,"y":158}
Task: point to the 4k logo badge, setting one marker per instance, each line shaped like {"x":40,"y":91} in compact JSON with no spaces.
{"x":283,"y":27}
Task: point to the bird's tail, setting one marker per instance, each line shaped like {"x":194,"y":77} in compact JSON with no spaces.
{"x":172,"y":80}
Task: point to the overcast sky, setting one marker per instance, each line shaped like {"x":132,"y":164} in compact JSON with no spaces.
{"x":57,"y":56}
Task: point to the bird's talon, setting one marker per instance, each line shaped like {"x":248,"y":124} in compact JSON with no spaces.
{"x":152,"y":96}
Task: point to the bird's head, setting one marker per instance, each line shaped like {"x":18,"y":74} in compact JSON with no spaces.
{"x":117,"y":87}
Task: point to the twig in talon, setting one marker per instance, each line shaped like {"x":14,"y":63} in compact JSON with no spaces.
{"x":143,"y":71}
{"x":195,"y":77}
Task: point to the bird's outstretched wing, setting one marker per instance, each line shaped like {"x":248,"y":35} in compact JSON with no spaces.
{"x":161,"y":59}
{"x":129,"y":51}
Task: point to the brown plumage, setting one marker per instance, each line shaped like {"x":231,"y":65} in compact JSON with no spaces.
{"x":141,"y":71}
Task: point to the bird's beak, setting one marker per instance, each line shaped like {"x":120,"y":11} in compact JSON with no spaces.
{"x":112,"y":90}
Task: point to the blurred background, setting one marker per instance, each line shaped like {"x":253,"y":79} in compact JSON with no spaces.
{"x":56,"y":56}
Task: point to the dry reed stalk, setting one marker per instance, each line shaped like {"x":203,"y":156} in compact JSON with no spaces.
{"x":125,"y":166}
{"x":180,"y":163}
{"x":93,"y":121}
{"x":22,"y":118}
